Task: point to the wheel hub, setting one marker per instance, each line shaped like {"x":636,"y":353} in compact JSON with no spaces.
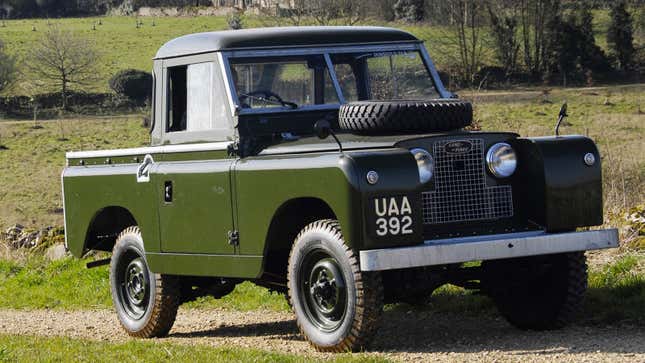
{"x":136,"y":283}
{"x":135,"y":288}
{"x":326,"y":293}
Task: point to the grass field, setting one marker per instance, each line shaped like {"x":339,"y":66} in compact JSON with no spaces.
{"x":123,"y":45}
{"x":58,"y":349}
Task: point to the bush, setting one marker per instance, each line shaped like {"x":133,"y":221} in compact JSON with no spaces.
{"x":133,"y":84}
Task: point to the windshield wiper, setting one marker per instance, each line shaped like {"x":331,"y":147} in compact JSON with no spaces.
{"x":277,"y":101}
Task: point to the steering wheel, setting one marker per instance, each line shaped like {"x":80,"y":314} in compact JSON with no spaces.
{"x":266,"y":95}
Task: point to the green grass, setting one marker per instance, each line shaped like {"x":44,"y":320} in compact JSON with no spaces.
{"x":58,"y":349}
{"x":35,"y":283}
{"x":30,"y":169}
{"x":64,"y":284}
{"x":617,"y":292}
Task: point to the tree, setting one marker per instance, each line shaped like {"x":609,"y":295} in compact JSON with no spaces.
{"x":63,"y":60}
{"x":619,"y":34}
{"x":537,"y":18}
{"x":408,"y":10}
{"x":591,"y":56}
{"x":504,"y":25}
{"x":235,"y":20}
{"x":572,"y":50}
{"x":465,"y":36}
{"x":318,"y":12}
{"x":7,"y":68}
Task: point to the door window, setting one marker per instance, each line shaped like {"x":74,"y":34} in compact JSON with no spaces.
{"x":190,"y":98}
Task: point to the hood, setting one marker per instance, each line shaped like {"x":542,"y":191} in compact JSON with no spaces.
{"x":311,"y":144}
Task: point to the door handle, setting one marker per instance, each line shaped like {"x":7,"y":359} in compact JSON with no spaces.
{"x":143,"y":171}
{"x":167,"y":191}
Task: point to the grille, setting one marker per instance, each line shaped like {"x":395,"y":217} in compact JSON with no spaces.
{"x":461,"y":193}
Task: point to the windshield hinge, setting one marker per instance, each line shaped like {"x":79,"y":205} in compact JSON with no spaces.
{"x":233,"y":149}
{"x":234,"y":238}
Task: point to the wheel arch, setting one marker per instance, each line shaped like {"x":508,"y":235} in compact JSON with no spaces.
{"x":288,"y":220}
{"x":105,"y":226}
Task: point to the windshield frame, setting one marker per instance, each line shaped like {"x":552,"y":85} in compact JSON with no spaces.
{"x":227,"y":56}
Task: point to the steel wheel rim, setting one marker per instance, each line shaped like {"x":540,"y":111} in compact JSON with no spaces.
{"x":323,"y":291}
{"x":134,"y":287}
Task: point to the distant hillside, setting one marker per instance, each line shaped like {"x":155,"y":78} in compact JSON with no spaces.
{"x":124,"y":45}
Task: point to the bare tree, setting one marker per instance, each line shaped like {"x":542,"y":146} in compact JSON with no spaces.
{"x":318,"y":12}
{"x":63,"y":60}
{"x":7,"y":69}
{"x":465,"y":36}
{"x":535,"y":17}
{"x":504,"y":25}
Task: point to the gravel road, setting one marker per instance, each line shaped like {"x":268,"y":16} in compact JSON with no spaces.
{"x":404,"y":336}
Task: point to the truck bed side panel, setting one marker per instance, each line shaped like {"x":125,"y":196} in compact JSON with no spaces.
{"x":89,"y":189}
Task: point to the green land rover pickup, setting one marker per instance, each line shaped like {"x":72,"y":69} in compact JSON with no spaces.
{"x":330,"y":164}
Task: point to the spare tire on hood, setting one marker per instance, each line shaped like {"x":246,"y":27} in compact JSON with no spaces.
{"x":405,"y":117}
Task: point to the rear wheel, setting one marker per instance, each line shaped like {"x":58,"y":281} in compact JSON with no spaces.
{"x":146,"y":303}
{"x":337,"y":306}
{"x":538,"y":293}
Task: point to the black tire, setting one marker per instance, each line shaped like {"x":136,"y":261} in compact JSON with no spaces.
{"x":146,"y":303}
{"x":405,"y":117}
{"x":537,"y":293}
{"x":337,"y":307}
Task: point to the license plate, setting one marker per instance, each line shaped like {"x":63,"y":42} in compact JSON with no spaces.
{"x":392,"y":216}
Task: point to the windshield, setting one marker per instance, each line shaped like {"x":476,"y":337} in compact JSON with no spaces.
{"x":303,"y":81}
{"x":282,"y":82}
{"x":391,"y":75}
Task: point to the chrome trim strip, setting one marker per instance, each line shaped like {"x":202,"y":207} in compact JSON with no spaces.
{"x":99,"y":170}
{"x":492,"y":247}
{"x":209,"y":146}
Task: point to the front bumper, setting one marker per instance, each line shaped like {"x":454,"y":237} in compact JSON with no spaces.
{"x":491,"y":247}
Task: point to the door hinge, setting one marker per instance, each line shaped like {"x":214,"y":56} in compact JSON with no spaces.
{"x":234,"y":238}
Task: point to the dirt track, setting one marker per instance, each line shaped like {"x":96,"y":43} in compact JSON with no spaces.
{"x":403,"y":336}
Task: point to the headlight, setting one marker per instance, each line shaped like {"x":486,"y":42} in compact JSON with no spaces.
{"x":501,"y":160}
{"x":425,"y":162}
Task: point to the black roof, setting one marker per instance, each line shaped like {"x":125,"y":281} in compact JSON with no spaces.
{"x":280,"y":37}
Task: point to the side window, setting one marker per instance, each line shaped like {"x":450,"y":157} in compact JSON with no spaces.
{"x":190,"y":97}
{"x":176,"y":99}
{"x":200,"y":96}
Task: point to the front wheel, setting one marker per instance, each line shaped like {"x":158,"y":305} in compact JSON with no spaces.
{"x":537,"y":293}
{"x":337,"y":306}
{"x":146,"y":303}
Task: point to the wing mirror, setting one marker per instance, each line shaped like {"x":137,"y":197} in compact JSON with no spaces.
{"x":561,"y":116}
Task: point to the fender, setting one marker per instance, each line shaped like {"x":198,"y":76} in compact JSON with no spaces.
{"x":560,"y":190}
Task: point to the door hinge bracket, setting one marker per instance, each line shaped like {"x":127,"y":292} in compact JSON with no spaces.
{"x":234,"y":238}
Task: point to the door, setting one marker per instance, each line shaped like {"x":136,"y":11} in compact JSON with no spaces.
{"x":192,"y":178}
{"x":195,"y":208}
